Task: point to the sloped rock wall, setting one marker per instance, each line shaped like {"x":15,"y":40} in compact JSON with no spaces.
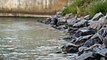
{"x":32,"y":6}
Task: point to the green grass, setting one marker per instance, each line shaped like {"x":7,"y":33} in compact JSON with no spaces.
{"x":99,"y":6}
{"x":73,"y":7}
{"x":85,"y":7}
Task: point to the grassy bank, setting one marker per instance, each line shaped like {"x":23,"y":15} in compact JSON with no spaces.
{"x":84,"y":7}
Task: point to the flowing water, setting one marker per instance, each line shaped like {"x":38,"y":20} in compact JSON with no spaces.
{"x":26,"y":39}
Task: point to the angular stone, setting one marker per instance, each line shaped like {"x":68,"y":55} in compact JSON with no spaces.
{"x":71,"y":21}
{"x":89,"y":43}
{"x":101,"y":51}
{"x":105,"y":42}
{"x":84,"y":56}
{"x":97,"y":24}
{"x":85,"y":31}
{"x":81,"y":23}
{"x":97,"y":16}
{"x":70,"y":48}
{"x":82,"y":40}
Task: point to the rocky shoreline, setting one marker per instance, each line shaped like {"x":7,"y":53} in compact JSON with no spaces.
{"x":87,"y":36}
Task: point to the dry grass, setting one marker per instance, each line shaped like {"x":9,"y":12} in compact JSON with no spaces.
{"x":31,"y":6}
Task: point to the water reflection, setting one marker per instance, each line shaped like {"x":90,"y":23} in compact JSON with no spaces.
{"x":21,"y":37}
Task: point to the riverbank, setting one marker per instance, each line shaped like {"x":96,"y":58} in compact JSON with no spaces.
{"x":25,"y":38}
{"x":23,"y":15}
{"x":86,"y":36}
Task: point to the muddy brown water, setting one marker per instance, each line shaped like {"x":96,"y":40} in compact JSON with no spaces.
{"x":26,"y":39}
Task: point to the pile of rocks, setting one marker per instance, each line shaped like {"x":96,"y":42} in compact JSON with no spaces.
{"x":87,"y":36}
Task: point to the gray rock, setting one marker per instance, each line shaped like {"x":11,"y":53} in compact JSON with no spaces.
{"x":71,"y":21}
{"x":84,"y":56}
{"x":101,"y":51}
{"x":69,"y":16}
{"x":102,"y":33}
{"x":80,"y":23}
{"x":70,"y":48}
{"x":82,"y":40}
{"x":84,"y":31}
{"x":89,"y":43}
{"x":97,"y":24}
{"x":97,"y":16}
{"x":105,"y":42}
{"x":85,"y":36}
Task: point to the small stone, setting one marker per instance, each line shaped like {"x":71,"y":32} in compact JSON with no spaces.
{"x":71,"y":21}
{"x":70,"y":48}
{"x":84,"y":56}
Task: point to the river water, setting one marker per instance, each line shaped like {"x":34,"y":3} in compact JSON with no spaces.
{"x":26,"y":39}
